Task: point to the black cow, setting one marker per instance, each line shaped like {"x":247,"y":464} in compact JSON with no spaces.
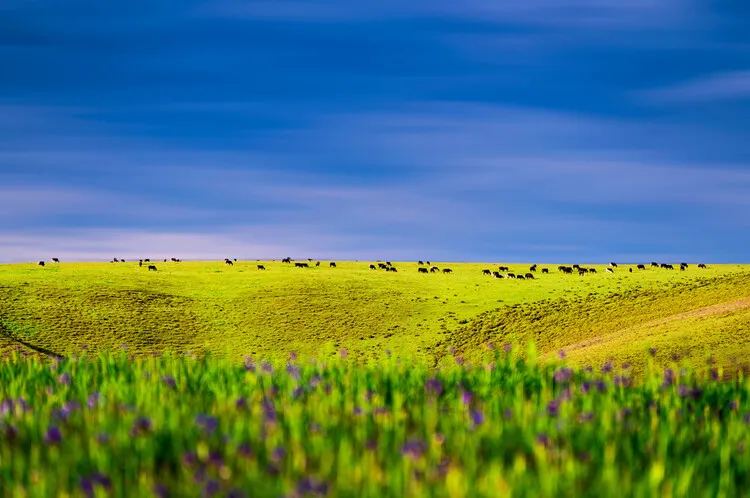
{"x":427,"y":263}
{"x":447,"y":270}
{"x":317,"y":264}
{"x":55,"y":260}
{"x":152,"y":267}
{"x":592,"y":270}
{"x":510,"y":275}
{"x":228,"y":262}
{"x":388,"y":263}
{"x":630,"y":270}
{"x":613,"y":264}
{"x":301,"y":265}
{"x":140,"y":263}
{"x":392,"y":268}
{"x":532,"y":268}
{"x":577,"y":267}
{"x":655,"y":264}
{"x":610,"y":270}
{"x":682,"y":268}
{"x":332,"y":264}
{"x":503,"y":268}
{"x":41,"y":263}
{"x":641,"y":267}
{"x":261,"y":267}
{"x":545,"y":270}
{"x":486,"y":272}
{"x":530,"y":275}
{"x":420,"y":262}
{"x":422,"y":270}
{"x":567,"y":270}
{"x":382,"y":266}
{"x":701,"y":265}
{"x":122,"y":260}
{"x":115,"y":260}
{"x":497,"y":274}
{"x":286,"y":260}
{"x":146,"y":260}
{"x":373,"y":267}
{"x":520,"y":277}
{"x":434,"y":269}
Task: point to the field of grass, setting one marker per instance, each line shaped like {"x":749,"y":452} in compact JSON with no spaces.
{"x":177,"y":426}
{"x":238,"y":310}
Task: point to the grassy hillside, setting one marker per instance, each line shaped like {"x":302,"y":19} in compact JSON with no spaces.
{"x":239,"y":310}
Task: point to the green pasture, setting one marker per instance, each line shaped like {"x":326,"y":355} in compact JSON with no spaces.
{"x":239,"y":310}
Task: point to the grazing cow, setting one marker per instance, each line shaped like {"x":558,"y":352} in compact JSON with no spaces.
{"x":420,"y":262}
{"x":228,"y":262}
{"x":388,"y":263}
{"x":115,"y":260}
{"x":641,"y":267}
{"x":332,"y":264}
{"x":382,"y":266}
{"x":510,"y":275}
{"x":701,"y":265}
{"x":655,"y":264}
{"x":613,"y":264}
{"x":503,"y":268}
{"x":427,"y":263}
{"x":146,"y":260}
{"x":317,"y":264}
{"x":152,"y":267}
{"x":592,"y":270}
{"x":530,"y":275}
{"x":261,"y":267}
{"x":584,"y":270}
{"x":140,"y":263}
{"x":392,"y":268}
{"x":630,"y":270}
{"x":684,"y":264}
{"x":545,"y":270}
{"x":286,"y":260}
{"x":165,"y":260}
{"x":41,"y":263}
{"x":520,"y":277}
{"x":581,"y":272}
{"x":610,"y":270}
{"x":301,"y":265}
{"x":434,"y":268}
{"x":122,"y":260}
{"x":309,"y":259}
{"x":373,"y":267}
{"x":55,"y":260}
{"x":486,"y":272}
{"x":447,"y":270}
{"x":667,"y":267}
{"x":496,"y":274}
{"x":422,"y":270}
{"x":682,"y":268}
{"x":532,"y":268}
{"x":576,"y":267}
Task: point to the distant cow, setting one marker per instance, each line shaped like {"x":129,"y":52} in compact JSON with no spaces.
{"x":701,"y":265}
{"x":581,"y":272}
{"x":55,"y":260}
{"x":122,"y":260}
{"x":422,"y":270}
{"x":530,"y":275}
{"x":510,"y":275}
{"x":286,"y":260}
{"x":684,"y":264}
{"x":545,"y":270}
{"x":420,"y":262}
{"x":117,"y":260}
{"x":332,"y":264}
{"x":610,"y":270}
{"x":41,"y":263}
{"x":520,"y":277}
{"x":373,"y":267}
{"x":497,"y":274}
{"x":486,"y":272}
{"x":503,"y":268}
{"x":228,"y":262}
{"x":630,"y":270}
{"x":427,"y":263}
{"x":613,"y":264}
{"x":447,"y":270}
{"x":140,"y":262}
{"x":382,"y":266}
{"x":576,"y":267}
{"x":434,"y":269}
{"x":532,"y":268}
{"x":261,"y":267}
{"x":592,"y":270}
{"x":682,"y":268}
{"x":317,"y":263}
{"x":641,"y":267}
{"x":655,"y":264}
{"x":392,"y":268}
{"x":309,"y":259}
{"x":152,"y":267}
{"x":388,"y":263}
{"x":301,"y":265}
{"x":146,"y":260}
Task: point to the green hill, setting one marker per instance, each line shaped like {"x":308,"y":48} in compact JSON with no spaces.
{"x":239,"y":310}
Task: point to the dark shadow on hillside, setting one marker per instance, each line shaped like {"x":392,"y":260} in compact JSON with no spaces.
{"x":4,"y":332}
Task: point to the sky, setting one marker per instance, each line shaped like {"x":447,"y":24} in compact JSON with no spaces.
{"x":539,"y":131}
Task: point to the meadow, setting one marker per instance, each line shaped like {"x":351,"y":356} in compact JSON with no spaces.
{"x":238,"y":310}
{"x":115,"y":425}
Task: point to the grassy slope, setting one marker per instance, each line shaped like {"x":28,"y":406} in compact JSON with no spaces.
{"x":239,"y":310}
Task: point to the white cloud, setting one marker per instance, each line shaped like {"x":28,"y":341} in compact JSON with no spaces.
{"x":729,"y":85}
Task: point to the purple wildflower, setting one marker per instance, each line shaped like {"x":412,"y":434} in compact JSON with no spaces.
{"x":93,"y":400}
{"x":585,"y":387}
{"x":433,"y":386}
{"x":508,"y":413}
{"x":278,"y":453}
{"x":310,"y":485}
{"x":414,"y":448}
{"x":64,"y":379}
{"x":543,"y":439}
{"x":102,"y":438}
{"x":452,"y":350}
{"x":652,"y":352}
{"x":477,"y":417}
{"x":606,"y":367}
{"x":733,"y":405}
{"x":208,"y":423}
{"x":561,"y":354}
{"x":160,"y":491}
{"x":622,"y":380}
{"x":388,"y":352}
{"x":266,"y":367}
{"x":668,"y":377}
{"x":601,"y":386}
{"x":491,"y":346}
{"x":343,"y":353}
{"x":141,"y":426}
{"x":10,"y":432}
{"x":215,"y":459}
{"x":624,"y":413}
{"x":292,"y":356}
{"x":241,"y":403}
{"x":245,"y":450}
{"x":357,"y":410}
{"x":563,"y":375}
{"x":169,"y":380}
{"x":585,"y":417}
{"x":53,"y":435}
{"x":466,"y":398}
{"x":714,"y":374}
{"x":293,"y":370}
{"x":507,"y":347}
{"x":553,"y":408}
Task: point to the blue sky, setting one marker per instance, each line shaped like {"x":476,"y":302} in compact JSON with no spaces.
{"x":543,"y":130}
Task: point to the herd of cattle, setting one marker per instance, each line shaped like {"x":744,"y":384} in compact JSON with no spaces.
{"x":427,"y":267}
